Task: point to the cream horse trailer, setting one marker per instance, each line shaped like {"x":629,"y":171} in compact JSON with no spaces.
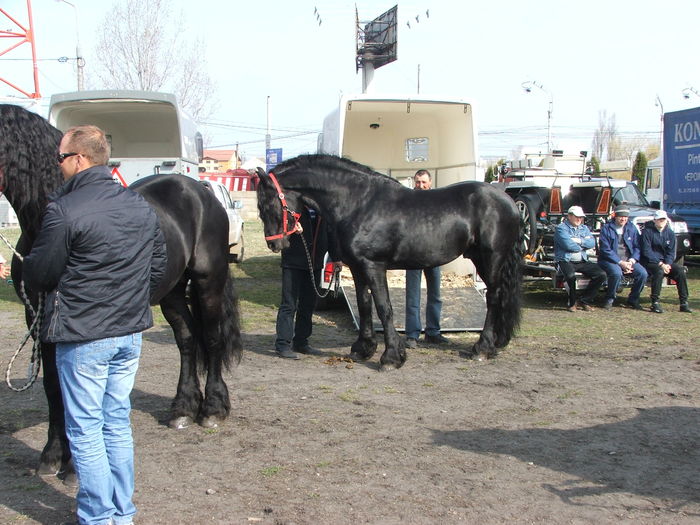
{"x":397,"y":136}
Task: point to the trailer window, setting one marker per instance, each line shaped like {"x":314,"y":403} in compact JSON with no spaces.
{"x":417,"y":149}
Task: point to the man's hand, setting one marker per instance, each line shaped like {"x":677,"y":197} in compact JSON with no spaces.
{"x":4,"y":271}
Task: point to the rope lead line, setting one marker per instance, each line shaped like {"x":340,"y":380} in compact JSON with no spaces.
{"x":335,"y":278}
{"x":35,"y":362}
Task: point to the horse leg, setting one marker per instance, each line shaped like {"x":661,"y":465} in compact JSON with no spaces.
{"x":485,"y":347}
{"x":188,"y":398}
{"x":394,"y":355}
{"x":366,"y":345}
{"x":55,"y":457}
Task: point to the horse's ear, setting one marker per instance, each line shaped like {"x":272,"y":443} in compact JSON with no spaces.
{"x":261,"y":172}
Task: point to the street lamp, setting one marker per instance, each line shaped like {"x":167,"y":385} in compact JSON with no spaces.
{"x":687,"y":92}
{"x":659,"y":105}
{"x":527,"y":86}
{"x":80,"y":62}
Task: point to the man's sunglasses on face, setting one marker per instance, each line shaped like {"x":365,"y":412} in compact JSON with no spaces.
{"x":64,"y":156}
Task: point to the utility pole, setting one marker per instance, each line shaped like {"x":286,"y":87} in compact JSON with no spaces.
{"x":79,"y":60}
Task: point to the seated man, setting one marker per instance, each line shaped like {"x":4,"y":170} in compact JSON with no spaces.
{"x":571,"y":240}
{"x":619,"y":255}
{"x":658,"y":252}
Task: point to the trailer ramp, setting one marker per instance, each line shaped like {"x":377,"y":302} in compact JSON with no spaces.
{"x":463,"y":308}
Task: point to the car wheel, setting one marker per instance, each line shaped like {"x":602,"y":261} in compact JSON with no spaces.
{"x":528,"y":215}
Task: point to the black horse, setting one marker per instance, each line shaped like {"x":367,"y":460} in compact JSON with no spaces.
{"x":381,"y":225}
{"x":207,"y":330}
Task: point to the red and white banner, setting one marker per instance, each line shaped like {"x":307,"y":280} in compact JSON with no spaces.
{"x":232,"y":182}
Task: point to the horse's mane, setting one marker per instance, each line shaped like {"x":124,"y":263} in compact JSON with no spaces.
{"x":330,"y":163}
{"x":29,"y":171}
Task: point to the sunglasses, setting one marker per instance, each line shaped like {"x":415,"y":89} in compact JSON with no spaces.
{"x":64,"y":156}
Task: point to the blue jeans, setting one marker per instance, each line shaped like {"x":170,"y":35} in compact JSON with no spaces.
{"x":614,"y":272}
{"x":96,"y":379}
{"x":432,"y":309}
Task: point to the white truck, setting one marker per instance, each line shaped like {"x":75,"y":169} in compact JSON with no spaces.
{"x":147,"y":130}
{"x":398,"y":135}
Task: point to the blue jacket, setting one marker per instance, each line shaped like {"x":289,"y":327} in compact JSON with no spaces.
{"x":564,"y":246}
{"x":100,"y":252}
{"x":608,"y":242}
{"x":657,"y":245}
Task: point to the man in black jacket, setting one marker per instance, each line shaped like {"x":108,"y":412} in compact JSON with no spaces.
{"x":298,"y":291}
{"x":98,"y":255}
{"x":658,"y":252}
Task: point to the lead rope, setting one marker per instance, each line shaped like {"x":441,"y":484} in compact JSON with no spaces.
{"x":335,"y":278}
{"x":35,"y":362}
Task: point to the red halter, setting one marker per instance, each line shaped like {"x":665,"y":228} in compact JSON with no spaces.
{"x":296,"y":216}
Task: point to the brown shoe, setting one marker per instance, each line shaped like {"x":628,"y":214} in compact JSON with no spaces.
{"x":585,"y":307}
{"x":571,"y":308}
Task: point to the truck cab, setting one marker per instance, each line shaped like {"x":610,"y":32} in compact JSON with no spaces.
{"x":148,"y":132}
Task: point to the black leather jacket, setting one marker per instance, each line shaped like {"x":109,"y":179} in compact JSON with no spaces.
{"x":99,"y":253}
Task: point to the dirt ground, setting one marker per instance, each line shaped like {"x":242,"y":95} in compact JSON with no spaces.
{"x":542,"y":434}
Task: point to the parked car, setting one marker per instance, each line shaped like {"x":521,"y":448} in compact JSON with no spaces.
{"x":235,"y":221}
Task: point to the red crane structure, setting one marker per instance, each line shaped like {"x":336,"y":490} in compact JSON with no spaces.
{"x":18,"y":35}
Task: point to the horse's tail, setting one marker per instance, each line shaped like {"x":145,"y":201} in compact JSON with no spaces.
{"x":510,"y":294}
{"x":228,"y":329}
{"x":230,"y":324}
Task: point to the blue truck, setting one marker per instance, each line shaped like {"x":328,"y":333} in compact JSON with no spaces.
{"x":678,"y":179}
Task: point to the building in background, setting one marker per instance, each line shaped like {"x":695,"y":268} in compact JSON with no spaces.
{"x":220,"y":160}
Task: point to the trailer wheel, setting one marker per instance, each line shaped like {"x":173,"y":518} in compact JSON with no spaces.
{"x":528,"y":214}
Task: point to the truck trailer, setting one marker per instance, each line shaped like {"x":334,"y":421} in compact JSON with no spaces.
{"x":677,"y":179}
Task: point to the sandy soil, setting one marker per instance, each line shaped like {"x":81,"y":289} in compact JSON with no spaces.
{"x":542,"y":434}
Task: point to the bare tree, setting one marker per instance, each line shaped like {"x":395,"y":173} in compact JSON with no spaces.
{"x":604,"y":137}
{"x":137,"y":48}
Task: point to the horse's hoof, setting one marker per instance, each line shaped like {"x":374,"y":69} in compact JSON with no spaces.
{"x":212,"y":421}
{"x":357,"y":357}
{"x":467,"y":354}
{"x":180,"y":422}
{"x":70,"y":479}
{"x":46,"y":470}
{"x":387,"y":368}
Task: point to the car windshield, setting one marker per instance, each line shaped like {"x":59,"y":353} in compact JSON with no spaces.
{"x":630,"y":194}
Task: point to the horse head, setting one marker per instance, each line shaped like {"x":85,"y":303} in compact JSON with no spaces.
{"x":278,"y":210}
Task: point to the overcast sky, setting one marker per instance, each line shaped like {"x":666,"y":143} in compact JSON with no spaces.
{"x":590,"y":55}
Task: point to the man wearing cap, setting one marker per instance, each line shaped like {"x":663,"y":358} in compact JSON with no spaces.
{"x":571,"y":240}
{"x":618,"y":245}
{"x":658,"y":252}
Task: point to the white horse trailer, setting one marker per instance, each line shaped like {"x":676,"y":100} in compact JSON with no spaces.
{"x":397,"y":136}
{"x":148,"y":131}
